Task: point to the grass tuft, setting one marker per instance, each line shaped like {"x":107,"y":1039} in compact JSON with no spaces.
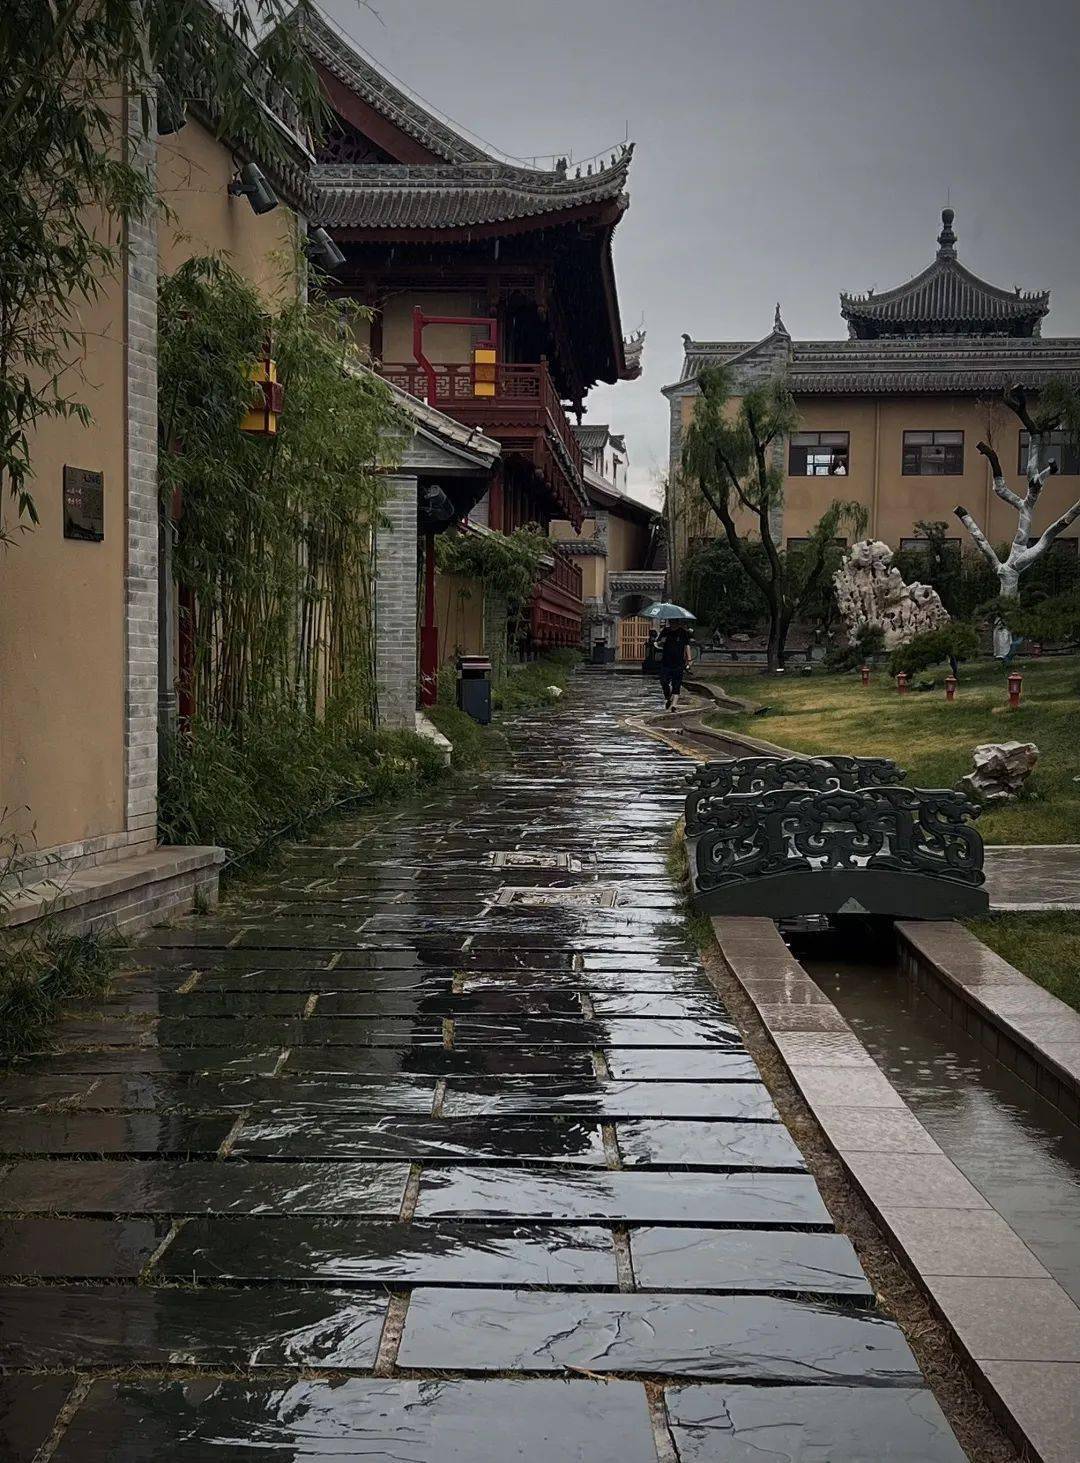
{"x":41,"y":971}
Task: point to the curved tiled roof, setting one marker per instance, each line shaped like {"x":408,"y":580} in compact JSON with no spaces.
{"x":360,"y":76}
{"x":421,"y":196}
{"x":945,"y":299}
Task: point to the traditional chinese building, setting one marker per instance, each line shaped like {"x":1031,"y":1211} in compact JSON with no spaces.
{"x":619,"y":549}
{"x":896,"y":409}
{"x":492,"y":293}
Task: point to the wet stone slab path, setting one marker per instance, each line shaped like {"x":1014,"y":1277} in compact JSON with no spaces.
{"x":437,"y":1145}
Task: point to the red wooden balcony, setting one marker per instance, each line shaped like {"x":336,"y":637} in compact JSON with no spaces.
{"x":518,"y":406}
{"x":556,"y":610}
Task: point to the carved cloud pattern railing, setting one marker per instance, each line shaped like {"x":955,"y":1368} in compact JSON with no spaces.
{"x":753,"y":835}
{"x":711,"y":784}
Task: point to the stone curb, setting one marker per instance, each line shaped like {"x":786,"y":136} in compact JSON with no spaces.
{"x":128,"y":894}
{"x":1027,"y":1028}
{"x":1018,"y":1329}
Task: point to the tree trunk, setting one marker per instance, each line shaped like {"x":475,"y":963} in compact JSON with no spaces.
{"x":1008,"y":588}
{"x":777,"y":636}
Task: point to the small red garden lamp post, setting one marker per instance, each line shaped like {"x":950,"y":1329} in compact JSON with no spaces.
{"x":1016,"y":680}
{"x":901,"y":683}
{"x":864,"y":672}
{"x":950,"y":688}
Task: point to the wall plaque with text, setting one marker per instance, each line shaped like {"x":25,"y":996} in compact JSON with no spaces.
{"x":84,"y":504}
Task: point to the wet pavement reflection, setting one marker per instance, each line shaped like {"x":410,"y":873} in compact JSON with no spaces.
{"x":447,"y":1102}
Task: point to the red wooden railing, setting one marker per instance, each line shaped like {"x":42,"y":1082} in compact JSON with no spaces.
{"x":556,"y":609}
{"x":452,"y":389}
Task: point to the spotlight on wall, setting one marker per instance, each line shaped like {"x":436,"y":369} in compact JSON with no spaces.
{"x":321,"y":249}
{"x":251,"y":184}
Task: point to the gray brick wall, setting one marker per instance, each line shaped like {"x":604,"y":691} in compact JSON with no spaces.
{"x":141,"y":572}
{"x":395,"y":605}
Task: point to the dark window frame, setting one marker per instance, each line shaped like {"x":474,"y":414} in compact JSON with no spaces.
{"x":838,"y":465}
{"x":913,"y":464}
{"x":919,"y":545}
{"x":1068,"y":462}
{"x":796,"y":544}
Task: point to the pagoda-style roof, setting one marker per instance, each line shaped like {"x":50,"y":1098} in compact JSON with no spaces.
{"x":477,"y":197}
{"x":345,"y":63}
{"x":945,"y":299}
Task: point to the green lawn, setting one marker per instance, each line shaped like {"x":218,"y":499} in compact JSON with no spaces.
{"x":933,"y":739}
{"x":1045,"y":947}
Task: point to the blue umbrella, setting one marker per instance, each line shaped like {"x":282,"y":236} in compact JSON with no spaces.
{"x":667,"y":611}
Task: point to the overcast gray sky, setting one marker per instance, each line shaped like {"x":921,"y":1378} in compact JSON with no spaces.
{"x":786,"y":149}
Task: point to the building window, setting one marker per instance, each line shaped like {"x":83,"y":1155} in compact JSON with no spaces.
{"x":1067,"y":548}
{"x":818,"y":454}
{"x":951,"y":546}
{"x":1063,"y":448}
{"x":796,"y":545}
{"x":933,"y":454}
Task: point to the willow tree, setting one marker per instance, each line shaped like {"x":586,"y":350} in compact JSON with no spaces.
{"x":1058,"y":410}
{"x":732,"y":458}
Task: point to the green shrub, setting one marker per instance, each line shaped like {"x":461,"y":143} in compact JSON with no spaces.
{"x":953,"y":642}
{"x":242,"y":790}
{"x":869,"y":643}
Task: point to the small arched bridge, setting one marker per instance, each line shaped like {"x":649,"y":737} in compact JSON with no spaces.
{"x":786,"y":837}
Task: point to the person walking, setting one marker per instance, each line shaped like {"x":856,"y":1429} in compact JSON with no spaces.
{"x":673,"y":644}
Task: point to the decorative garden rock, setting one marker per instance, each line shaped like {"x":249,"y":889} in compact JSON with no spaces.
{"x":870,"y":591}
{"x":1001,"y":768}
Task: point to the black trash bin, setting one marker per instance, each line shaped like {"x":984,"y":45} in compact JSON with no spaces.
{"x":474,"y":687}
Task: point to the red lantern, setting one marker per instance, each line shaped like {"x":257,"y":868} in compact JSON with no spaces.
{"x":901,"y":683}
{"x":864,"y":671}
{"x":1016,"y":680}
{"x":950,"y":688}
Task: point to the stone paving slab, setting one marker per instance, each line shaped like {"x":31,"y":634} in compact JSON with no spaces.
{"x":357,"y":1252}
{"x":89,"y":1249}
{"x":759,"y":1338}
{"x":765,"y":1260}
{"x":738,"y":1199}
{"x":155,"y":1187}
{"x":373,"y":1091}
{"x":118,"y":1326}
{"x":719,"y":1101}
{"x":29,"y":1409}
{"x":395,"y":1421}
{"x":743,"y":1424}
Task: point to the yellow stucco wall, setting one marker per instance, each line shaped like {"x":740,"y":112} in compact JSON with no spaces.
{"x":194,"y":171}
{"x":875,"y":478}
{"x":449,"y":343}
{"x":459,"y":614}
{"x":62,"y":645}
{"x":626,"y":544}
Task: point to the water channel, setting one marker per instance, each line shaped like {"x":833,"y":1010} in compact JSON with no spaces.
{"x":1020,"y":1152}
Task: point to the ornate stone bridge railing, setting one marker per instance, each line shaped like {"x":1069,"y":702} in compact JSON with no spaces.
{"x":711,"y":783}
{"x":786,"y":851}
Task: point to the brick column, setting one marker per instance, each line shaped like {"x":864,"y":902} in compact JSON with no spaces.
{"x":140,"y":444}
{"x":395,"y":605}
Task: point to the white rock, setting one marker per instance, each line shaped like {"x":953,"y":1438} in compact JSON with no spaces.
{"x":1001,"y":769}
{"x":870,"y":592}
{"x":554,"y":692}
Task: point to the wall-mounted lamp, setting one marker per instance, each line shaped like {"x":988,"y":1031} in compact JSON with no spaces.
{"x":321,"y":249}
{"x":251,"y":184}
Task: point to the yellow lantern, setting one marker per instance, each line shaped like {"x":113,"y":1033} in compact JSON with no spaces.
{"x":484,"y":370}
{"x":261,"y":418}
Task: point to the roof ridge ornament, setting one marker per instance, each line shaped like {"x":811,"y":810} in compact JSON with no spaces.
{"x":947,"y":238}
{"x":779,"y":328}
